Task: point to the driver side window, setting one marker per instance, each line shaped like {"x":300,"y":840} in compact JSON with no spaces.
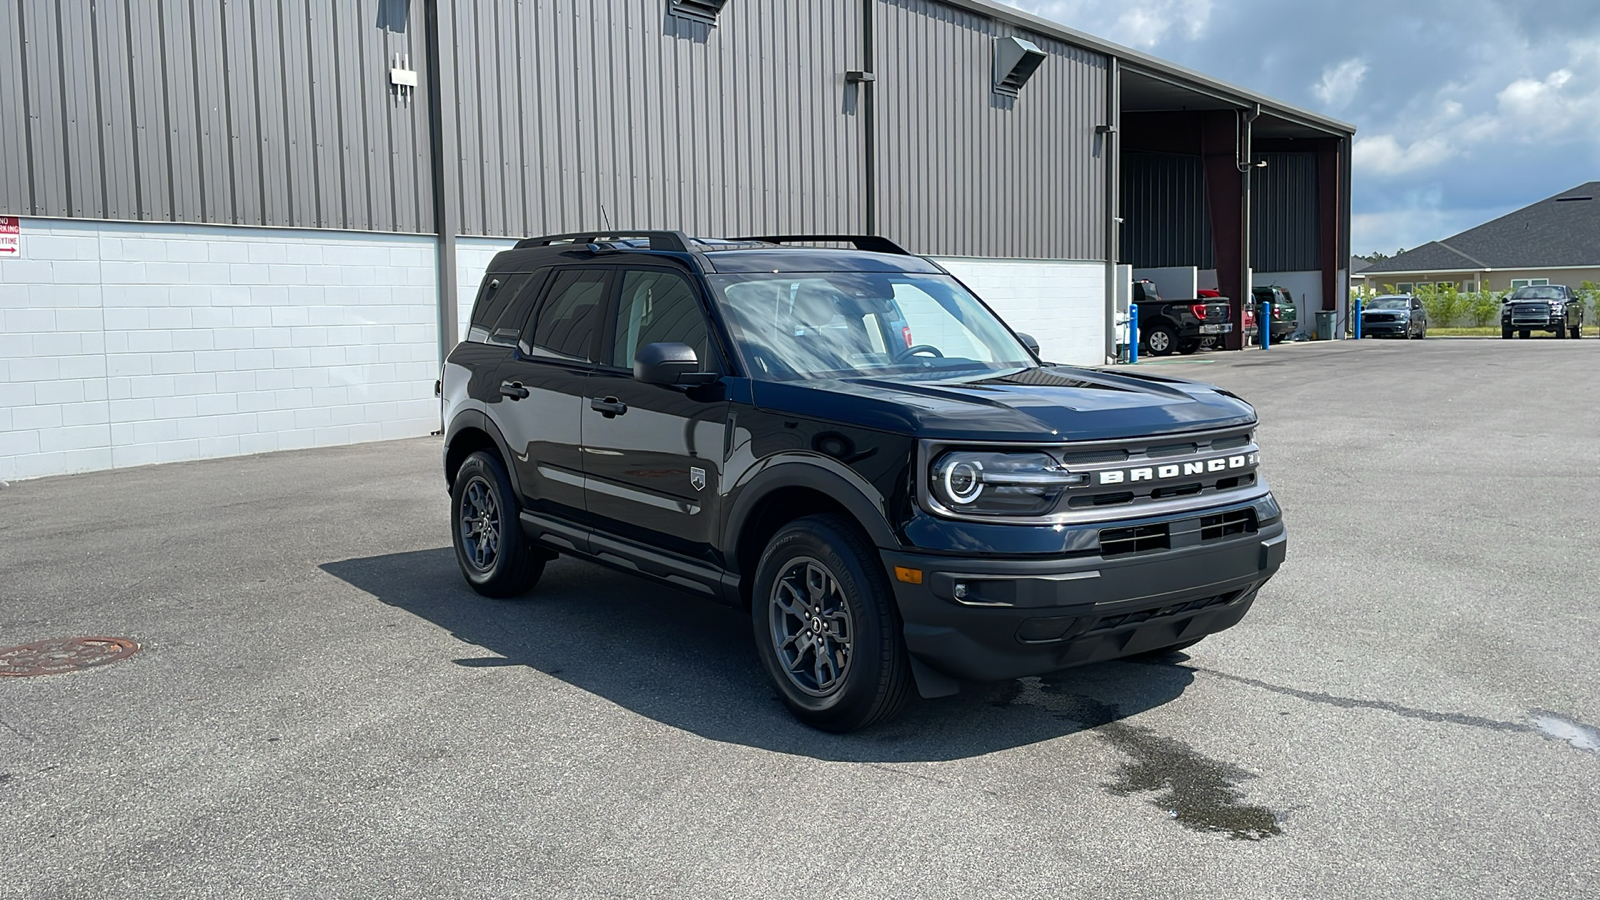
{"x":928,"y":323}
{"x":657,"y":306}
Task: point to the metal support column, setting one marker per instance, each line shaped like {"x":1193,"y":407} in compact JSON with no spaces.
{"x":446,"y":202}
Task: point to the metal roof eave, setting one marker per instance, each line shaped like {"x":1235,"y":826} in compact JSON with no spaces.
{"x":1157,"y":67}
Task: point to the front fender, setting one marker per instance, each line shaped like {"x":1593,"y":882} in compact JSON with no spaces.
{"x":813,"y":471}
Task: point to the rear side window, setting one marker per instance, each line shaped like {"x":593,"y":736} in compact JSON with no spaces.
{"x":569,"y":318}
{"x":502,"y":305}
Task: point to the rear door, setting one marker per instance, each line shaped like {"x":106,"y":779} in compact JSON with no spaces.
{"x":541,"y":391}
{"x":653,"y":454}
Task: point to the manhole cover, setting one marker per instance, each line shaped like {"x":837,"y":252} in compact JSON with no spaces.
{"x":64,"y":655}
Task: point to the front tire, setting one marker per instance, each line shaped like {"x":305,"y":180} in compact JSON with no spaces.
{"x":1577,"y":331}
{"x":1505,"y":332}
{"x":494,"y":556}
{"x":826,"y":626}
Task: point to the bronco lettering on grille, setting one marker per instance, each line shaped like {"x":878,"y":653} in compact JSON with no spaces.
{"x":1188,"y":469}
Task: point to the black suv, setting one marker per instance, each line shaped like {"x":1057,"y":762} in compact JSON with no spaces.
{"x":1285,"y":316}
{"x":851,"y":446}
{"x":1541,"y":307}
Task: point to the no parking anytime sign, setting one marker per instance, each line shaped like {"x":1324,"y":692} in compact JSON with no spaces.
{"x":10,"y":237}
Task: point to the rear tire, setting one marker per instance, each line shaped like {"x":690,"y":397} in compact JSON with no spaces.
{"x":1189,"y":347}
{"x":495,"y":557}
{"x":827,"y":628}
{"x":1161,"y":340}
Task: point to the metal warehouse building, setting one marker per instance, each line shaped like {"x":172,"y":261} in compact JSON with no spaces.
{"x":243,"y":225}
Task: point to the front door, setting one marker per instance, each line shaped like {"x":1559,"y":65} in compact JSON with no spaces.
{"x":542,"y":389}
{"x":652,"y":453}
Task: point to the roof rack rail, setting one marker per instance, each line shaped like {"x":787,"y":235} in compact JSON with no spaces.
{"x":659,"y":240}
{"x":870,"y":242}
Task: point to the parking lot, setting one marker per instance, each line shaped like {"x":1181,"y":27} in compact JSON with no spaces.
{"x":322,"y":708}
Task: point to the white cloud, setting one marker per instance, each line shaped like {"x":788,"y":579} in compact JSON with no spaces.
{"x":1383,"y":154}
{"x":1339,"y":83}
{"x":1139,"y":23}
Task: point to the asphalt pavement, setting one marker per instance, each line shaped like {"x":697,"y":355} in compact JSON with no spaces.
{"x":321,"y":708}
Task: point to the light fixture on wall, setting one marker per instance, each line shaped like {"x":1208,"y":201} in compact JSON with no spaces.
{"x":705,"y":11}
{"x":1015,"y":61}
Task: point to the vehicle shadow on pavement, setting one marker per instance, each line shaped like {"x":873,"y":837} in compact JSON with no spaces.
{"x":689,"y":663}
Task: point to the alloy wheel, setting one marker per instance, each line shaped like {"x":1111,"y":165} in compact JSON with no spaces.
{"x":811,"y":627}
{"x":480,"y":524}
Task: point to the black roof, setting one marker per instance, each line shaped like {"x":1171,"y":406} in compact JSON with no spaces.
{"x":1557,"y":232}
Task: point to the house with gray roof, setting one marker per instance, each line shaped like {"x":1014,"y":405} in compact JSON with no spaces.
{"x":1554,"y":241}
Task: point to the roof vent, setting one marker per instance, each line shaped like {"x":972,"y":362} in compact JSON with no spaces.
{"x":1571,"y":199}
{"x":1014,"y":63}
{"x":697,"y":10}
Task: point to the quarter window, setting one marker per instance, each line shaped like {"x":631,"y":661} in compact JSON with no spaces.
{"x":569,"y":318}
{"x":658,"y":307}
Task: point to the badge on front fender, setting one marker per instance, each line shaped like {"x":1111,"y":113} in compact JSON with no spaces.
{"x":697,"y":478}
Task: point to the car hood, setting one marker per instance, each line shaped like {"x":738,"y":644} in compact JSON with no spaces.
{"x":1051,"y":403}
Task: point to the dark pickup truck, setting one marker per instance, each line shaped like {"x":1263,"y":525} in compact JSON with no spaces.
{"x":1166,"y":326}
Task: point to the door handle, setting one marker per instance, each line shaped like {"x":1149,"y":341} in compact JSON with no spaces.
{"x":610,"y":407}
{"x":514,"y":390}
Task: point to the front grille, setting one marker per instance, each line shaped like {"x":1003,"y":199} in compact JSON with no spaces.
{"x":1138,"y":539}
{"x":1155,"y":471}
{"x":1228,"y":524}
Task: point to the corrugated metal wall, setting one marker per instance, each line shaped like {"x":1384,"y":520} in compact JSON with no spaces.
{"x":1165,"y":220}
{"x":963,"y":171}
{"x":574,"y":113}
{"x":1287,"y":231}
{"x":246,"y":112}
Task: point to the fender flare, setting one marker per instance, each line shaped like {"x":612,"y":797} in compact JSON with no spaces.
{"x":850,"y":490}
{"x":472,"y":418}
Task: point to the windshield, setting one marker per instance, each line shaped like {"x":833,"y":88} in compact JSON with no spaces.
{"x":1389,"y":303}
{"x":1537,"y":293}
{"x":840,"y":324}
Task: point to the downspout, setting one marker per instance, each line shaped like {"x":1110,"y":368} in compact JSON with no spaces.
{"x":1112,"y":150}
{"x":869,"y":117}
{"x":1246,"y":163}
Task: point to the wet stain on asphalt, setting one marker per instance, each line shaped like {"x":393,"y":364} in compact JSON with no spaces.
{"x":1198,"y":792}
{"x":1556,"y":728}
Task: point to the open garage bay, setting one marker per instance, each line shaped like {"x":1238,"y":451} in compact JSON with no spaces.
{"x":318,"y":706}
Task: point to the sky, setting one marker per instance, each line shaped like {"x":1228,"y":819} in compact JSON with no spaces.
{"x":1465,"y":109}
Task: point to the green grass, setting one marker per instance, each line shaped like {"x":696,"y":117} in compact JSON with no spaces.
{"x":1494,"y":331}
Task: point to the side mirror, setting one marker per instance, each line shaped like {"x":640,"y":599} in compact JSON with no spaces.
{"x":1028,"y":341}
{"x":669,"y":363}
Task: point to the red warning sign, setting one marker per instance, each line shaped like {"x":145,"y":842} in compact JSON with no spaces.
{"x":10,"y":237}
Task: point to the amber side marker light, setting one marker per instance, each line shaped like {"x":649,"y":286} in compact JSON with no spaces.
{"x":909,"y":576}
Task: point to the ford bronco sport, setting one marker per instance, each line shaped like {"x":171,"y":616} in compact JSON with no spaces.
{"x":851,"y":446}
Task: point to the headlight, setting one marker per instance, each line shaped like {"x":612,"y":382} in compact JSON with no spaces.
{"x":999,"y":484}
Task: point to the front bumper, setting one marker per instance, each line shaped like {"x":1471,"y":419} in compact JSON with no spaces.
{"x":1022,"y":617}
{"x":1385,"y":328}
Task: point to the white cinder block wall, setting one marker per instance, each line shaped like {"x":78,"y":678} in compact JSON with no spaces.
{"x":127,"y":344}
{"x":1062,"y":304}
